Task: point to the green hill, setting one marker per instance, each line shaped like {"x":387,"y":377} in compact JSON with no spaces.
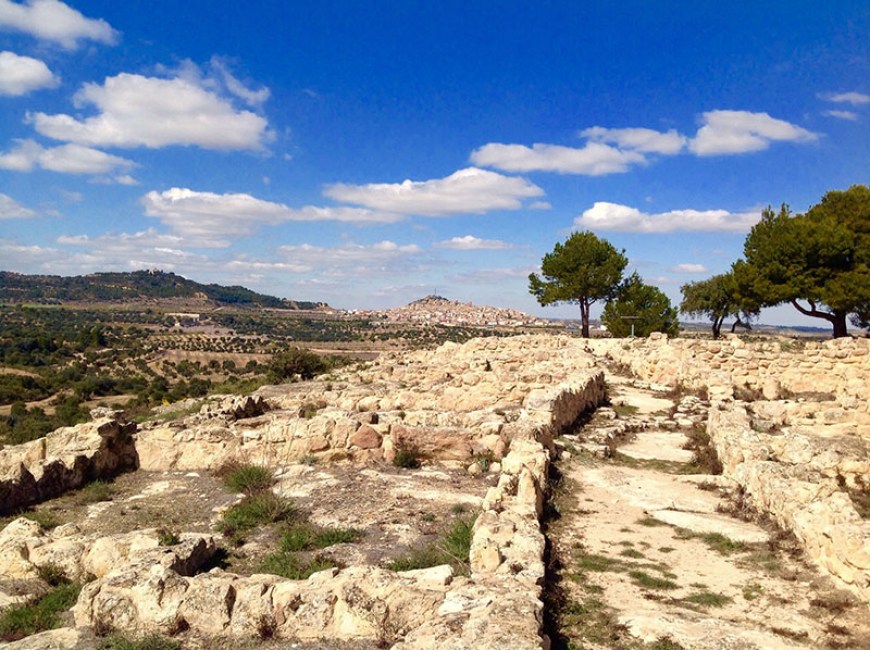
{"x":132,"y":287}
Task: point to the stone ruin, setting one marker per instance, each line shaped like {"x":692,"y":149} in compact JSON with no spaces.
{"x":796,"y":449}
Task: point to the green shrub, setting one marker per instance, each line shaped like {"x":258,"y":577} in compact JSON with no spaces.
{"x":166,"y":537}
{"x":407,"y":455}
{"x":95,"y":492}
{"x":20,"y":621}
{"x":249,"y":479}
{"x":290,"y":565}
{"x":255,"y":510}
{"x":452,"y":548}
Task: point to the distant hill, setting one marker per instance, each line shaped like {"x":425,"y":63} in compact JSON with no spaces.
{"x":131,"y":287}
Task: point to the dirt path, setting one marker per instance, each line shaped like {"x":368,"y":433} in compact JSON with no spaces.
{"x":651,"y":553}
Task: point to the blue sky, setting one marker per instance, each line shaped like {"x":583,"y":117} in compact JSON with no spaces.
{"x":368,"y":154}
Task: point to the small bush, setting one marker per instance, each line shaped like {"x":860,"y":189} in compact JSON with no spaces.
{"x":45,"y":614}
{"x":452,"y":548}
{"x":290,"y":565}
{"x":645,"y":580}
{"x":248,"y":479}
{"x":407,"y":455}
{"x":53,"y":574}
{"x":255,"y":510}
{"x":166,"y":537}
{"x":95,"y":492}
{"x":708,"y":599}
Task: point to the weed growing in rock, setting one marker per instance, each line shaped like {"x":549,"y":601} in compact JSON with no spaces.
{"x":407,"y":455}
{"x":632,"y":553}
{"x":705,"y":459}
{"x":302,"y":536}
{"x":249,"y":479}
{"x":152,"y":642}
{"x":292,"y":566}
{"x":645,"y":580}
{"x":255,"y":510}
{"x":650,"y":522}
{"x":707,"y":599}
{"x":53,"y":574}
{"x":95,"y":492}
{"x":20,"y":621}
{"x":166,"y":537}
{"x":451,"y":548}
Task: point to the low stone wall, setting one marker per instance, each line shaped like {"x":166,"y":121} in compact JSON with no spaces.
{"x":793,"y":457}
{"x":64,"y":460}
{"x":499,"y":605}
{"x":795,"y":480}
{"x":839,"y":367}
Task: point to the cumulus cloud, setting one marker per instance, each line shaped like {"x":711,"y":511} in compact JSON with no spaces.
{"x":734,"y":132}
{"x":51,"y":20}
{"x":138,"y":111}
{"x":20,"y":75}
{"x":471,"y":243}
{"x":622,"y":218}
{"x":466,"y":191}
{"x":638,"y":139}
{"x":27,"y":155}
{"x":688,"y":268}
{"x":11,"y":209}
{"x":214,"y":220}
{"x":853,"y":98}
{"x":355,"y":260}
{"x":593,"y":159}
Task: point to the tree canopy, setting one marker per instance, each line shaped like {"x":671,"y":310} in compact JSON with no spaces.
{"x":582,"y":270}
{"x":640,"y":308}
{"x":819,"y":261}
{"x":721,"y":297}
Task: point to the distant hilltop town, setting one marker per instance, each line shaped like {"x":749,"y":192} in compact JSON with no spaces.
{"x":436,"y":310}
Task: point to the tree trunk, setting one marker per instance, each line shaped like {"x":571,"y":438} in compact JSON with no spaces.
{"x":840,"y":327}
{"x":584,"y":318}
{"x":717,"y":327}
{"x":837,"y":319}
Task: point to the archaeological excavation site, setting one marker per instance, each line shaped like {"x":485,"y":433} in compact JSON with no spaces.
{"x":525,"y":492}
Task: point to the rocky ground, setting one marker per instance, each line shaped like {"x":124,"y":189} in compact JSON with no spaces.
{"x":653,"y":550}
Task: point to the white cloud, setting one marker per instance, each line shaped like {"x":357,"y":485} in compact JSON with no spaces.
{"x":126,"y":179}
{"x":11,"y":209}
{"x":466,"y":191}
{"x":734,"y":132}
{"x":355,"y":260}
{"x":213,"y":220}
{"x":688,"y":268}
{"x":849,"y":98}
{"x":20,"y":75}
{"x":65,"y":159}
{"x":137,"y":111}
{"x":638,"y":139}
{"x":593,"y":159}
{"x":622,"y":218}
{"x":471,"y":243}
{"x":250,"y":97}
{"x":842,"y":115}
{"x":51,"y":20}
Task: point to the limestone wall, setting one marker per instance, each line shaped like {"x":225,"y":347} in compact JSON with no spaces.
{"x":64,"y":460}
{"x":839,"y":367}
{"x":499,"y":605}
{"x":794,"y":479}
